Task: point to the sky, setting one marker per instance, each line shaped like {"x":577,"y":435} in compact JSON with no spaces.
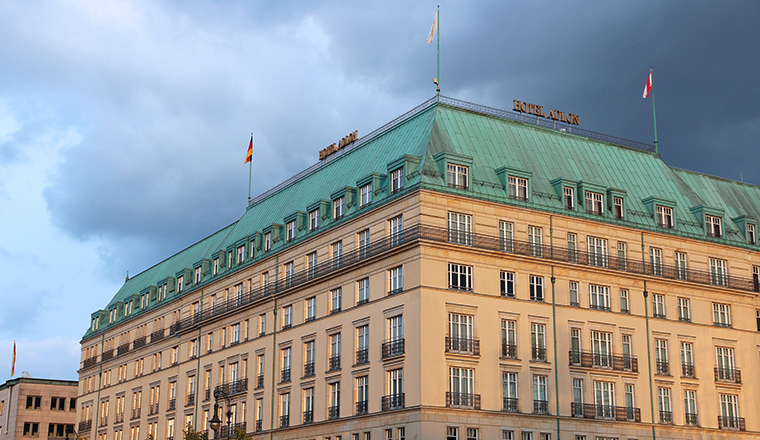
{"x":124,"y":124}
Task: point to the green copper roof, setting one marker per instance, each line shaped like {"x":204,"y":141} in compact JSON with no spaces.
{"x":492,"y":146}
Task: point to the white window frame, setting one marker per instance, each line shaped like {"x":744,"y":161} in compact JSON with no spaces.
{"x":507,"y":283}
{"x":397,"y":180}
{"x":713,"y":225}
{"x":664,"y":216}
{"x":457,"y":176}
{"x":518,"y":188}
{"x":460,"y":277}
{"x":365,"y":193}
{"x":594,"y":203}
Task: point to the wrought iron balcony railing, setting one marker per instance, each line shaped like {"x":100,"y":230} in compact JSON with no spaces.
{"x":234,"y":386}
{"x":736,"y":423}
{"x":361,"y":407}
{"x":619,"y":413}
{"x":462,"y":400}
{"x":662,"y":368}
{"x":589,"y":359}
{"x":157,"y":335}
{"x":90,"y":362}
{"x":308,"y":417}
{"x":123,"y":348}
{"x":393,"y":401}
{"x":223,"y":433}
{"x":190,"y":399}
{"x":728,"y":375}
{"x":172,"y":404}
{"x":510,"y":404}
{"x":394,"y":347}
{"x":509,"y":351}
{"x":135,"y":413}
{"x":285,"y":375}
{"x":469,"y":346}
{"x":666,"y":417}
{"x":538,"y":354}
{"x":259,"y":425}
{"x":692,"y":419}
{"x":334,"y":363}
{"x":308,"y":369}
{"x":260,"y":381}
{"x":284,"y":421}
{"x":362,"y":356}
{"x":333,"y":412}
{"x":139,"y":342}
{"x":540,"y":406}
{"x":85,"y":425}
{"x":107,"y":354}
{"x":687,"y":370}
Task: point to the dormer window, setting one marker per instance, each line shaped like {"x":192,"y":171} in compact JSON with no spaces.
{"x":290,"y":231}
{"x":713,"y":225}
{"x":397,"y":180}
{"x":314,"y":219}
{"x":366,"y":195}
{"x":240,"y":254}
{"x":267,"y":241}
{"x":180,"y":283}
{"x":619,"y":208}
{"x":215,"y":270}
{"x":339,"y":207}
{"x":751,"y":233}
{"x":457,"y":176}
{"x":518,"y":188}
{"x":594,"y":203}
{"x":568,"y":197}
{"x":197,"y":275}
{"x":665,"y":217}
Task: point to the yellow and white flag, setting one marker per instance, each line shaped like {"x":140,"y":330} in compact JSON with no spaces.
{"x":433,"y":29}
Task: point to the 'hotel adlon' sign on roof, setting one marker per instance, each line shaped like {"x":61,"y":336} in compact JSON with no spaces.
{"x":538,"y":110}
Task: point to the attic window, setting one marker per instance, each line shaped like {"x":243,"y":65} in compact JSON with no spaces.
{"x":197,"y":275}
{"x":665,"y":217}
{"x":751,"y":233}
{"x":619,"y":208}
{"x":518,"y":188}
{"x":713,"y":225}
{"x":314,"y":219}
{"x":180,"y":283}
{"x":339,"y":207}
{"x":240,"y":254}
{"x":216,"y":266}
{"x":457,"y":176}
{"x":594,"y":203}
{"x":267,"y":241}
{"x":397,"y":180}
{"x":569,"y":199}
{"x":366,"y":195}
{"x":290,"y":229}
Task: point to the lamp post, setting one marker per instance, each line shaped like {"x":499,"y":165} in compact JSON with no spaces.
{"x":215,"y":422}
{"x":70,"y":430}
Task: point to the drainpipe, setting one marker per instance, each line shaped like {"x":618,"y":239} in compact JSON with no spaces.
{"x":274,"y":347}
{"x":198,"y":369}
{"x":649,"y":342}
{"x":100,"y":383}
{"x":554,"y":324}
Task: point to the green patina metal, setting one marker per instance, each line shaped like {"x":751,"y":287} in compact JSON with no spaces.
{"x":493,"y":148}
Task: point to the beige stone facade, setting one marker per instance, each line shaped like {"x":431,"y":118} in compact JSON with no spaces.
{"x":37,"y":408}
{"x":487,"y":336}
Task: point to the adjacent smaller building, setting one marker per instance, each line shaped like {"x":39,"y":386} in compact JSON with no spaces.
{"x":41,"y":408}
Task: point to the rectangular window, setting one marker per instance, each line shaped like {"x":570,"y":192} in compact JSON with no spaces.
{"x":462,"y":387}
{"x":619,"y":209}
{"x":573,"y":293}
{"x":362,"y":344}
{"x":601,"y":348}
{"x":575,"y":346}
{"x":572,"y":247}
{"x":337,"y":254}
{"x":336,"y":300}
{"x":661,"y":357}
{"x":507,"y":282}
{"x":681,"y":266}
{"x":540,"y":395}
{"x":365,"y":195}
{"x":284,"y":410}
{"x":505,"y":235}
{"x":395,"y":388}
{"x":718,"y":272}
{"x":625,"y":306}
{"x":334,"y":340}
{"x":308,"y":358}
{"x":751,"y":233}
{"x":311,"y":309}
{"x":460,"y":277}
{"x":289,"y":270}
{"x":518,"y":188}
{"x":314,"y":219}
{"x":285,"y":364}
{"x":604,"y":398}
{"x":287,"y":316}
{"x":664,"y":216}
{"x":452,"y":433}
{"x":658,"y":306}
{"x":509,"y":339}
{"x":396,"y":280}
{"x":684,"y":309}
{"x":473,"y":434}
{"x":311,"y":264}
{"x":690,"y":407}
{"x":538,"y":342}
{"x":729,"y":410}
{"x":622,"y":256}
{"x":339,"y":208}
{"x":599,"y":297}
{"x":594,"y":203}
{"x":721,"y":315}
{"x":687,"y":359}
{"x":397,"y":180}
{"x":396,"y":229}
{"x":362,"y":291}
{"x":535,"y":248}
{"x":290,"y":231}
{"x":536,"y":288}
{"x":460,"y":228}
{"x":510,"y":391}
{"x":362,"y":394}
{"x":713,"y":225}
{"x":308,"y":405}
{"x":267,"y":241}
{"x":460,"y":339}
{"x":597,"y":251}
{"x":663,"y":399}
{"x":569,"y":198}
{"x":362,"y":243}
{"x":457,"y":176}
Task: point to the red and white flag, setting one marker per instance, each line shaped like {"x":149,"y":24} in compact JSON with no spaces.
{"x":648,"y":87}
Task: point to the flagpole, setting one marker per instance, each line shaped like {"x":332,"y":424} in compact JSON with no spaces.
{"x":654,"y":115}
{"x":438,"y":89}
{"x":250,"y":171}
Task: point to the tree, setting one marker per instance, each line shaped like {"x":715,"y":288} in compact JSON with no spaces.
{"x":191,"y":434}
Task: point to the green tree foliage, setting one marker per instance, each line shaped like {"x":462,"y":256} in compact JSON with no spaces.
{"x":191,"y":434}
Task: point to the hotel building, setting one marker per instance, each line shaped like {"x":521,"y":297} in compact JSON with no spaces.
{"x":462,"y":273}
{"x":37,"y":408}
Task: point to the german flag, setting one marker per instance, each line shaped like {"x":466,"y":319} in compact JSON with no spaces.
{"x":249,"y":154}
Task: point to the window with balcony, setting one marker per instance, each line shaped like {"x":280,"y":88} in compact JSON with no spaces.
{"x":362,"y":395}
{"x":506,"y":230}
{"x":687,"y":359}
{"x":395,"y":399}
{"x":460,"y":277}
{"x":601,"y":349}
{"x":457,"y":176}
{"x":535,"y":247}
{"x":333,"y":411}
{"x":718,"y":272}
{"x":690,"y":407}
{"x":729,"y":413}
{"x":664,"y":404}
{"x":604,"y":400}
{"x":661,"y":357}
{"x":362,"y":344}
{"x":509,"y":339}
{"x":460,"y":228}
{"x":310,"y":309}
{"x":460,"y":339}
{"x":308,"y":358}
{"x":510,"y":393}
{"x":284,"y":410}
{"x":308,"y":405}
{"x":334,"y":359}
{"x":362,"y":243}
{"x":572,"y":247}
{"x":462,"y":389}
{"x":538,"y":342}
{"x":394,"y":343}
{"x":597,"y":251}
{"x":726,"y":370}
{"x":540,"y":394}
{"x":287,"y":316}
{"x":682,"y":270}
{"x":396,"y":230}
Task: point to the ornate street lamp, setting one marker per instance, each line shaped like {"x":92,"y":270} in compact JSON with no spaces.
{"x":215,"y":422}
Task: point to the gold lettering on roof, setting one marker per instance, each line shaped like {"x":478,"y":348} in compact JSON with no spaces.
{"x":333,"y":148}
{"x":538,"y":110}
